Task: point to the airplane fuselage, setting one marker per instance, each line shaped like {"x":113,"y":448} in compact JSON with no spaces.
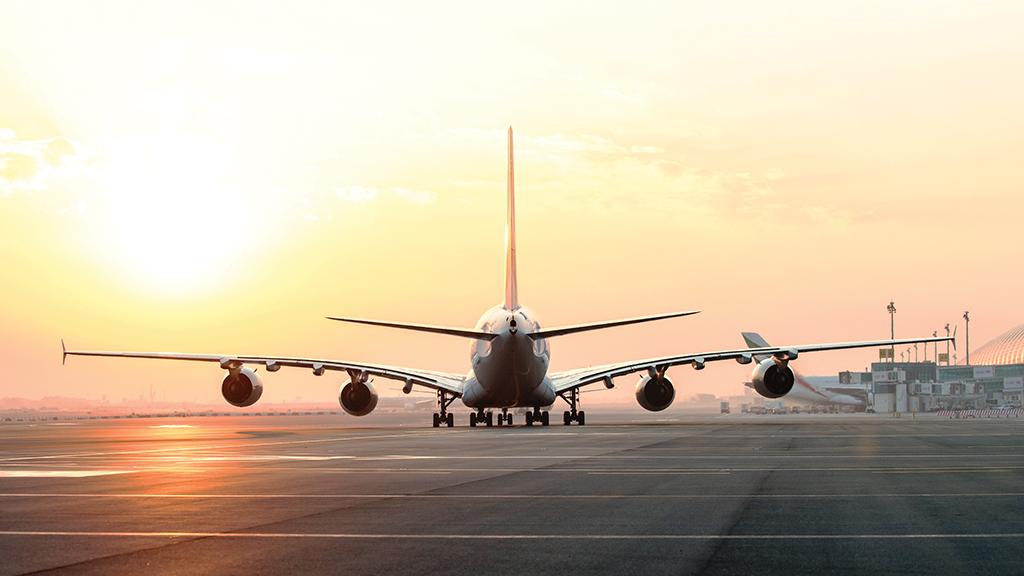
{"x":511,"y":370}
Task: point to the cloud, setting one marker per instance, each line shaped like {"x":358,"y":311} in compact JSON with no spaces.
{"x":32,"y":165}
{"x":621,"y":97}
{"x":587,"y":144}
{"x":355,"y":194}
{"x":420,"y":197}
{"x":363,"y":194}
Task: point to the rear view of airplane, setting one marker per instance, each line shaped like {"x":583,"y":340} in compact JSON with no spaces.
{"x":509,"y":358}
{"x":803,"y":391}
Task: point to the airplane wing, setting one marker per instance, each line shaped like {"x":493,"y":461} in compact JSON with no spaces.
{"x":564,"y":381}
{"x":451,"y":383}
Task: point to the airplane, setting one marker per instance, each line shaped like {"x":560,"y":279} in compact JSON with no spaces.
{"x":509,"y":359}
{"x":803,"y":391}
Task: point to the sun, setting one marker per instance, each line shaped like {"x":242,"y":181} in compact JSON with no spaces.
{"x":169,"y":215}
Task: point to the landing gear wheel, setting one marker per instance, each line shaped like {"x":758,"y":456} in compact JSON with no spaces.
{"x":529,"y":418}
{"x":490,"y":419}
{"x":544,"y":420}
{"x":437,"y":420}
{"x":509,"y":419}
{"x":581,"y":418}
{"x":566,"y":418}
{"x":472,"y":420}
{"x":450,"y":420}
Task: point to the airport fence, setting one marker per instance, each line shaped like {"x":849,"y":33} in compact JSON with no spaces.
{"x":986,"y":413}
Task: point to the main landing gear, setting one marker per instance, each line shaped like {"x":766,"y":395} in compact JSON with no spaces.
{"x":487,"y":418}
{"x":538,"y":416}
{"x":504,"y":418}
{"x":443,"y":416}
{"x":481,"y":417}
{"x":571,"y":397}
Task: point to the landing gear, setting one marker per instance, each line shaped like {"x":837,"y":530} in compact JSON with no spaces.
{"x":572,"y":397}
{"x":481,"y":417}
{"x":538,"y":416}
{"x":504,"y":418}
{"x":443,"y":416}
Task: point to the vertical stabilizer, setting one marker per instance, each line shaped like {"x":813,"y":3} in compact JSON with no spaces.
{"x":511,"y":292}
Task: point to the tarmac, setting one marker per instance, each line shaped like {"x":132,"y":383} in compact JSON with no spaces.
{"x":629,"y":493}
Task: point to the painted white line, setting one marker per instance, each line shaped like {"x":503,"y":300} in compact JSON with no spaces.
{"x":694,"y":457}
{"x":182,"y":468}
{"x":708,"y":473}
{"x":729,"y":470}
{"x":241,"y":443}
{"x":364,"y":536}
{"x":73,"y":495}
{"x":960,"y":471}
{"x":58,"y":473}
{"x":260,"y":458}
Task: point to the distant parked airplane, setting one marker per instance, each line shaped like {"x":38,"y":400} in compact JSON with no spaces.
{"x":803,"y":391}
{"x":509,"y":361}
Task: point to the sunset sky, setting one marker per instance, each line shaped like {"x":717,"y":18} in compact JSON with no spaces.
{"x":218,"y":178}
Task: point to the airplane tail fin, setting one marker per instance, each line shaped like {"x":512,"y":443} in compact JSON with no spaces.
{"x":754,"y":340}
{"x":511,"y":291}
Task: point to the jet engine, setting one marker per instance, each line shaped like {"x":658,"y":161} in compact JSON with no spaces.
{"x":358,"y":398}
{"x":655,"y":394}
{"x":772,"y":378}
{"x":242,"y":388}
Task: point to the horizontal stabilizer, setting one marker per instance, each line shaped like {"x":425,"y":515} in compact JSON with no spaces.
{"x":551,"y":332}
{"x":476,"y":334}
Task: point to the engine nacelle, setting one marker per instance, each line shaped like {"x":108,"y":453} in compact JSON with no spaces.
{"x":772,"y":378}
{"x":242,"y":388}
{"x":655,"y":394}
{"x":358,"y":398}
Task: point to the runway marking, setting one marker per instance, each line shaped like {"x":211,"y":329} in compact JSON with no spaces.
{"x":689,"y":457}
{"x":396,"y":496}
{"x":264,"y":458}
{"x":663,"y":473}
{"x":58,"y":473}
{"x":947,"y":471}
{"x":364,"y":536}
{"x":242,"y":443}
{"x":643,"y":470}
{"x":590,"y":471}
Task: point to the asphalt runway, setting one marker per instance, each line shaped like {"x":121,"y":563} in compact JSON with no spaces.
{"x":692,"y":495}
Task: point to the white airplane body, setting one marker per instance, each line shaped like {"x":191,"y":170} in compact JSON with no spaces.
{"x":509,"y":361}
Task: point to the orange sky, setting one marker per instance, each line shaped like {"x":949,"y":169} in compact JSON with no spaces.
{"x":219,"y":179}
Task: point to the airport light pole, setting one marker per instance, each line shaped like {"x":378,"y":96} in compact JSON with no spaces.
{"x":892,"y":329}
{"x":967,"y":345}
{"x":947,"y":344}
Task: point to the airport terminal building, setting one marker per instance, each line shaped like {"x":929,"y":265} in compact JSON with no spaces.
{"x":995,"y":377}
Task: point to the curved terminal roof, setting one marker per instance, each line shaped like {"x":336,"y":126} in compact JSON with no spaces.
{"x":1008,"y":348}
